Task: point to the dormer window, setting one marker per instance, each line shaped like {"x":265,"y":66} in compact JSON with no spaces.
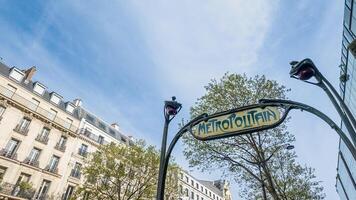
{"x":69,"y":107}
{"x":55,"y":98}
{"x":39,"y":88}
{"x":16,"y":74}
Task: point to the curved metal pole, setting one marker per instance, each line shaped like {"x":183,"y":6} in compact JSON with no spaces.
{"x":167,"y":119}
{"x":347,"y":120}
{"x":162,"y":178}
{"x":297,"y":105}
{"x":342,"y":103}
{"x":263,"y":102}
{"x":163,"y":155}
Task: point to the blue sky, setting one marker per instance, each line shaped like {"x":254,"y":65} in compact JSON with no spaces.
{"x":124,"y":58}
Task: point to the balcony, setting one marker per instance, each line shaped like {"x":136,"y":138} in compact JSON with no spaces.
{"x":33,"y":107}
{"x":92,"y":136}
{"x":21,"y":130}
{"x":19,"y":190}
{"x":51,"y":169}
{"x":60,"y":147}
{"x":29,"y":161}
{"x":42,"y":139}
{"x":75,"y":173}
{"x":6,"y":153}
{"x":83,"y":153}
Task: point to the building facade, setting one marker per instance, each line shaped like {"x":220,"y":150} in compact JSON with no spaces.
{"x":43,"y":139}
{"x":346,"y":169}
{"x":191,"y":188}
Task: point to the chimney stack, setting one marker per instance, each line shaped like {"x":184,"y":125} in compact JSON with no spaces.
{"x":77,"y":102}
{"x":115,"y":126}
{"x":29,"y":74}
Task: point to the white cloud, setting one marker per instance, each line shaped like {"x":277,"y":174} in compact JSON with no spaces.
{"x":193,"y":41}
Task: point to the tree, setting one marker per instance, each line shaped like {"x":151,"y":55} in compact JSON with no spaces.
{"x":258,"y":161}
{"x":122,"y":172}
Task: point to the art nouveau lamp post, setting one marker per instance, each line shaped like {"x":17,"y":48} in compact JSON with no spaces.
{"x":171,"y":109}
{"x":305,"y":70}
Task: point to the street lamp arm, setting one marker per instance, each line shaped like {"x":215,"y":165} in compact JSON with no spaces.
{"x":306,"y":69}
{"x":325,"y":118}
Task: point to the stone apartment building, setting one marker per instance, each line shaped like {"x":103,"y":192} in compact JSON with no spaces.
{"x":43,"y":139}
{"x":191,"y":188}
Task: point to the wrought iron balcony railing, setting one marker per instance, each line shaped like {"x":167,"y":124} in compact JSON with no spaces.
{"x":82,"y":152}
{"x":34,"y":107}
{"x":8,"y":154}
{"x":21,"y":130}
{"x":75,"y":173}
{"x":51,"y":169}
{"x":32,"y":162}
{"x":60,"y":147}
{"x":92,"y":136}
{"x":42,"y":139}
{"x":16,"y":190}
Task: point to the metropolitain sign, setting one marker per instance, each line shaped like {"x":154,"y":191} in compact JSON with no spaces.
{"x":240,"y":122}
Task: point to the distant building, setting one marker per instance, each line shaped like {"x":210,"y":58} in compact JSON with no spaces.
{"x":191,"y":188}
{"x":346,"y":169}
{"x":43,"y":139}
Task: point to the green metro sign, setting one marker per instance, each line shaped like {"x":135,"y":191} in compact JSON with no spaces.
{"x":242,"y":121}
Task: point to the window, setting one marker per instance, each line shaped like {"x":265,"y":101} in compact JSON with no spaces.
{"x":2,"y":172}
{"x":90,"y":118}
{"x":68,"y":193}
{"x":192,"y":194}
{"x":23,"y":178}
{"x":16,"y":74}
{"x":61,"y":144}
{"x":192,"y":182}
{"x":186,"y":192}
{"x":353,"y":18}
{"x":32,"y":159}
{"x":2,"y":110}
{"x":76,"y":170}
{"x":101,"y":139}
{"x":197,"y":185}
{"x":112,"y":132}
{"x":43,"y":136}
{"x":201,"y":188}
{"x":22,"y":127}
{"x":39,"y":88}
{"x":55,"y":98}
{"x":83,"y":150}
{"x":180,"y":189}
{"x":69,"y":107}
{"x":11,"y":148}
{"x":197,"y":197}
{"x":34,"y":104}
{"x":51,"y":114}
{"x":53,"y":163}
{"x":68,"y":123}
{"x":43,"y":190}
{"x":102,"y":126}
{"x":10,"y":90}
{"x":186,"y":179}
